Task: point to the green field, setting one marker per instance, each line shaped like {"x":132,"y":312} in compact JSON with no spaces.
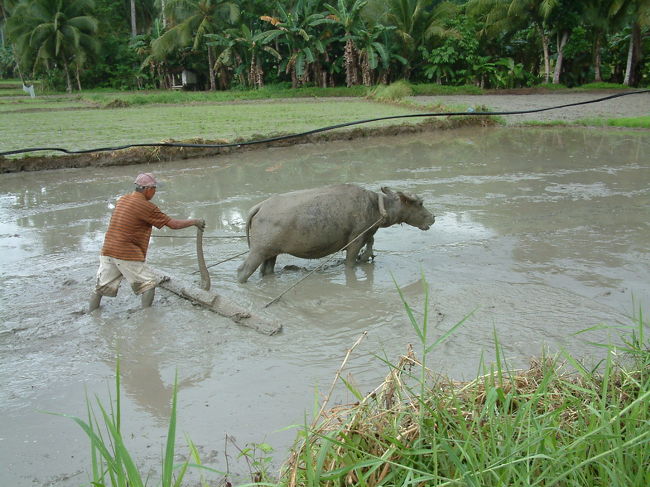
{"x":99,"y":119}
{"x":85,"y":129}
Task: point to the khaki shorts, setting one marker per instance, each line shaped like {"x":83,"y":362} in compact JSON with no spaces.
{"x":111,"y":272}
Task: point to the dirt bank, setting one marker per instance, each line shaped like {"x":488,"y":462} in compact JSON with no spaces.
{"x":140,"y":155}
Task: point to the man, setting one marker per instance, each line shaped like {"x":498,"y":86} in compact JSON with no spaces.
{"x":127,"y":240}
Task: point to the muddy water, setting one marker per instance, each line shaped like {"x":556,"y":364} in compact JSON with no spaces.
{"x":541,"y":233}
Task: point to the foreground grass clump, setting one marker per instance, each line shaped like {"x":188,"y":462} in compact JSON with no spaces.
{"x":538,"y":427}
{"x":112,"y":465}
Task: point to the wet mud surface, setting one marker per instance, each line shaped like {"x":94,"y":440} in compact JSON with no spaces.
{"x":541,"y":233}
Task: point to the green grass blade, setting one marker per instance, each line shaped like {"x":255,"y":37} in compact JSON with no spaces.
{"x":449,"y":332}
{"x":168,"y":462}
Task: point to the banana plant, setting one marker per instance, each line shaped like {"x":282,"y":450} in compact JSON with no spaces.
{"x":295,"y":30}
{"x":241,"y":50}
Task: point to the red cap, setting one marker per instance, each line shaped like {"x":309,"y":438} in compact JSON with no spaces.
{"x":146,"y":180}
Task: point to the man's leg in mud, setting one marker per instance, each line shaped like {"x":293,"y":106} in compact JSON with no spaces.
{"x":95,"y":300}
{"x":147,"y":297}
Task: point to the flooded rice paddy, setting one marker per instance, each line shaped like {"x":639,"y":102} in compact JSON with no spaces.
{"x":540,"y":233}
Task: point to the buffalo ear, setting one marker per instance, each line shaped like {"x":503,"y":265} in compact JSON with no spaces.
{"x":407,"y":198}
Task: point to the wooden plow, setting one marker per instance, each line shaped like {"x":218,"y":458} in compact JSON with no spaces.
{"x":214,"y":301}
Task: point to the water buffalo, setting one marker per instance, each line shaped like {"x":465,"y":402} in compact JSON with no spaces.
{"x":313,"y":223}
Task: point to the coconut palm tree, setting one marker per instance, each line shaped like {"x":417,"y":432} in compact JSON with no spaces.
{"x":597,"y":18}
{"x":5,"y":9}
{"x":191,"y":20}
{"x":134,"y":27}
{"x":512,"y":15}
{"x":637,"y":14}
{"x":53,"y":33}
{"x":416,"y":22}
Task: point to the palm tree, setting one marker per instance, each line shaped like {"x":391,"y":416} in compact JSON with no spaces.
{"x":512,"y":15}
{"x":597,"y":18}
{"x":192,"y":20}
{"x":134,"y":29}
{"x":349,"y":18}
{"x":415,"y":23}
{"x":5,"y":9}
{"x":53,"y":33}
{"x":637,"y":13}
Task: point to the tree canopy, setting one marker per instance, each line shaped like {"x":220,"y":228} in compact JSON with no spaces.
{"x":249,"y":43}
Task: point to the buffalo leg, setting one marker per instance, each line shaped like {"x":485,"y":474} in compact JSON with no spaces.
{"x":366,"y":255}
{"x":353,"y":252}
{"x":268,"y":266}
{"x":251,"y":263}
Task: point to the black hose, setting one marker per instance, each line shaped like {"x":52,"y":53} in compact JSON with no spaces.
{"x":314,"y":131}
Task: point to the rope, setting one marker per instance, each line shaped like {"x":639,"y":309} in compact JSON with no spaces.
{"x":182,"y":236}
{"x":314,"y":131}
{"x":321,"y":264}
{"x":225,"y":260}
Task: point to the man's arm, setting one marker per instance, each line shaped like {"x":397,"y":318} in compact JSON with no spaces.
{"x":178,"y":224}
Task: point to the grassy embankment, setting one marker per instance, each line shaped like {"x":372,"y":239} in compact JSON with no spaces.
{"x":544,"y":426}
{"x":77,"y":121}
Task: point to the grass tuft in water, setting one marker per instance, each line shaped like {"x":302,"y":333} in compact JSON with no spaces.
{"x":111,"y":462}
{"x":556,"y":424}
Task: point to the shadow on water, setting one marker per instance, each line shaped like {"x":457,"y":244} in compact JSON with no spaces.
{"x":542,"y":232}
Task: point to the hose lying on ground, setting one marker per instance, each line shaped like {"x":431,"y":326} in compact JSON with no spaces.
{"x":314,"y":131}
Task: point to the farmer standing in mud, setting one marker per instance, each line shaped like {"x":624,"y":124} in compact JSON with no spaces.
{"x":126,"y":241}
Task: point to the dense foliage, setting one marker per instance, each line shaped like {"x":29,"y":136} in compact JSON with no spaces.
{"x":226,"y":44}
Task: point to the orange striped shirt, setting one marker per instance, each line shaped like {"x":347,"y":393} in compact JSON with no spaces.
{"x":128,"y":233}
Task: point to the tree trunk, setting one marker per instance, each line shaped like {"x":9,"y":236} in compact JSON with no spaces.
{"x":68,"y":81}
{"x":351,"y":77}
{"x":213,"y":79}
{"x":134,"y":30}
{"x":20,"y":73}
{"x":164,"y":17}
{"x":547,"y":57}
{"x":366,"y":71}
{"x":78,"y":79}
{"x":597,"y":59}
{"x":561,"y":42}
{"x":633,"y":56}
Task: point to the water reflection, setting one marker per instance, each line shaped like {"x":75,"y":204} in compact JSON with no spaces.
{"x":146,"y":354}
